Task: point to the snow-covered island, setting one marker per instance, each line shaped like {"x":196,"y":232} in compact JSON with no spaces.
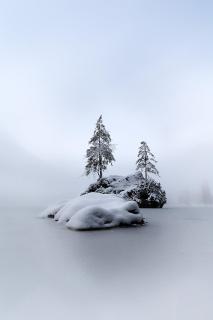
{"x":113,"y":201}
{"x":95,"y":211}
{"x":133,"y":187}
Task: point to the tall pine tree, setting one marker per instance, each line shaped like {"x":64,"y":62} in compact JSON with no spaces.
{"x":99,"y":154}
{"x":146,"y":161}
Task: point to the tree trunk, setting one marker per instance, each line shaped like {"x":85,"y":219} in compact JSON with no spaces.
{"x":146,"y":159}
{"x":100,"y":173}
{"x":146,"y":175}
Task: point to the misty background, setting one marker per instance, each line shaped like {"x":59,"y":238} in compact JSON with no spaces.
{"x":146,"y":66}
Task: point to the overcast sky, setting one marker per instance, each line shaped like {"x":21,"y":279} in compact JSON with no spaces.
{"x":145,"y":65}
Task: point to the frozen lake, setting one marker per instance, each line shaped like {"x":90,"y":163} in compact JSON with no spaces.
{"x":163,"y":270}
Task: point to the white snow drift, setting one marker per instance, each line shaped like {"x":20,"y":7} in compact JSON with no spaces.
{"x":95,"y":211}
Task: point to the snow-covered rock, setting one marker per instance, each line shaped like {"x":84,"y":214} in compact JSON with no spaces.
{"x":132,"y":187}
{"x":95,"y":211}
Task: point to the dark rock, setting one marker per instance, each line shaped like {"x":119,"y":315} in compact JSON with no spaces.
{"x":133,"y":187}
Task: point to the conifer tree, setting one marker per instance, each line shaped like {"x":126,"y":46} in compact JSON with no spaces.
{"x":146,"y":161}
{"x":99,"y":154}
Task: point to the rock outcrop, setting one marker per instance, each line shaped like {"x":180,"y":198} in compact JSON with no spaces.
{"x":132,"y":187}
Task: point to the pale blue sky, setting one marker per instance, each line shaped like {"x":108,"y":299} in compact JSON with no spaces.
{"x":145,"y":65}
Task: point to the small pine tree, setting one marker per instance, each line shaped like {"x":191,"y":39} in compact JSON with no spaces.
{"x":146,"y":161}
{"x":99,"y":154}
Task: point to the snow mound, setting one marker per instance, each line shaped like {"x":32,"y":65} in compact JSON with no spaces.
{"x":95,"y":211}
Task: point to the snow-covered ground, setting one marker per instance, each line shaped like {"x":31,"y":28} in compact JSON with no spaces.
{"x":95,"y":211}
{"x":160,"y":271}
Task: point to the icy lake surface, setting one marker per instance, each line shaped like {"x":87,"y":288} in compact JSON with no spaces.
{"x":163,"y":270}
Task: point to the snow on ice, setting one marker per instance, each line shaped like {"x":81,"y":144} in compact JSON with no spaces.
{"x":95,"y":211}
